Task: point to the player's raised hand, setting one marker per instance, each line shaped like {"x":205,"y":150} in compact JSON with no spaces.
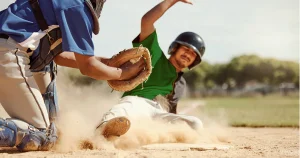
{"x":186,"y":1}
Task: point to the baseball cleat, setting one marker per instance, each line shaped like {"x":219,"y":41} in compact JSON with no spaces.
{"x":116,"y":127}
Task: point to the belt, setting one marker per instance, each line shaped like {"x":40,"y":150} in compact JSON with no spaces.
{"x":4,"y":36}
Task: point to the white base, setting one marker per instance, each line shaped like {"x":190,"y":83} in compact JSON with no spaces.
{"x":186,"y":147}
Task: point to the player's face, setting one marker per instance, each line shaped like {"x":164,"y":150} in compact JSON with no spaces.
{"x":184,"y":56}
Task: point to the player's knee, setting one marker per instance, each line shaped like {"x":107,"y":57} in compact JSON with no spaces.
{"x":195,"y":122}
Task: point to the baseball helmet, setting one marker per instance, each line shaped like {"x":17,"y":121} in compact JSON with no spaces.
{"x":191,"y":40}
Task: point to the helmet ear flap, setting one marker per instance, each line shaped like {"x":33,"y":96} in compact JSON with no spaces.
{"x":173,"y":48}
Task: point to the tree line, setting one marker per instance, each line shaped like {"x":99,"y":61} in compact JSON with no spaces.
{"x":242,"y":69}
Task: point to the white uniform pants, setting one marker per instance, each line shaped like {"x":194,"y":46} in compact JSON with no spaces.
{"x":20,"y":95}
{"x":136,"y":107}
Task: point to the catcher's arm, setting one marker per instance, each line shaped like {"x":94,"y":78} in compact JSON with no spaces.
{"x":66,"y":59}
{"x":148,"y":20}
{"x":103,"y":60}
{"x":92,"y":67}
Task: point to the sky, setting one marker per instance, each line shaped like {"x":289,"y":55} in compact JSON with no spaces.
{"x":268,"y":28}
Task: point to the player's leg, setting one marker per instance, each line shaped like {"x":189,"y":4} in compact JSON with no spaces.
{"x":116,"y":121}
{"x":22,"y":100}
{"x":194,"y":122}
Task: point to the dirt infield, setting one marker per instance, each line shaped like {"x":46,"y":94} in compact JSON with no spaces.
{"x":246,"y":142}
{"x":80,"y":115}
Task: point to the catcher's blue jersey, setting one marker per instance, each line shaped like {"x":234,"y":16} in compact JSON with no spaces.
{"x":72,"y":16}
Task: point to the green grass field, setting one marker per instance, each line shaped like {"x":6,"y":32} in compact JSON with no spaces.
{"x":270,"y":111}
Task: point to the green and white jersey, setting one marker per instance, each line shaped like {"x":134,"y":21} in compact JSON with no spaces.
{"x":163,"y":75}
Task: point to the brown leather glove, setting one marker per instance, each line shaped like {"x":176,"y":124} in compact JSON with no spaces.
{"x":136,"y":68}
{"x":131,"y":70}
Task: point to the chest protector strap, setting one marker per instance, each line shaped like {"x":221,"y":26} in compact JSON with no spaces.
{"x":51,"y":44}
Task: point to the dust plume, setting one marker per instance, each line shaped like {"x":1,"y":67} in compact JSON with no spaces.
{"x":145,"y":131}
{"x":215,"y":124}
{"x":81,"y":109}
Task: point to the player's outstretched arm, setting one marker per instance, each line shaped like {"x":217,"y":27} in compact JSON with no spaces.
{"x":148,"y":20}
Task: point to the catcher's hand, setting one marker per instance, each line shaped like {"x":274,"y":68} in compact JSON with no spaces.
{"x":136,"y":68}
{"x":131,"y":70}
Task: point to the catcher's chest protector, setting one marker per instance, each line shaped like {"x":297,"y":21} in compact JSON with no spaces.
{"x":51,"y":44}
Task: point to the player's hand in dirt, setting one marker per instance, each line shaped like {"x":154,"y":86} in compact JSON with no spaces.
{"x":130,"y":70}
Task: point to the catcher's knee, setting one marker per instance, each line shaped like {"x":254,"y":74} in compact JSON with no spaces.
{"x":38,"y":140}
{"x":30,"y":139}
{"x":8,"y":133}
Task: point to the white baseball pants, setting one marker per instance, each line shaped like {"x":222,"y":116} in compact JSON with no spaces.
{"x":134,"y":107}
{"x":20,"y":94}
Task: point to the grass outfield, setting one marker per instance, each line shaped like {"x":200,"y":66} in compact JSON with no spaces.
{"x":270,"y":111}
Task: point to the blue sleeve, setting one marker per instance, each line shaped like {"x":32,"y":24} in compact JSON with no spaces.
{"x":76,"y":25}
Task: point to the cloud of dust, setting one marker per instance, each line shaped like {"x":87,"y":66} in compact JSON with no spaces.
{"x":145,"y":131}
{"x":81,"y":109}
{"x":215,"y":125}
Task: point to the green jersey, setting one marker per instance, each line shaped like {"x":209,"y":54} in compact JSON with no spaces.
{"x":163,"y":76}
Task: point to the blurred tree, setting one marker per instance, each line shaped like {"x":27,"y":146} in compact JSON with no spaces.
{"x":242,"y":69}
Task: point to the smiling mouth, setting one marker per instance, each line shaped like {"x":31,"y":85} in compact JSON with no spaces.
{"x":185,"y":58}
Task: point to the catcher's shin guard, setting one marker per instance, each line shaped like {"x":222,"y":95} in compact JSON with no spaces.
{"x":114,"y":127}
{"x":8,"y":133}
{"x":50,"y":96}
{"x":50,"y":99}
{"x":30,"y":139}
{"x":36,"y":140}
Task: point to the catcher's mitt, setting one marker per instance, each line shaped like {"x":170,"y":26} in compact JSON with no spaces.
{"x":133,"y":55}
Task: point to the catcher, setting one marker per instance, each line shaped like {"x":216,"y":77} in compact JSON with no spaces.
{"x":186,"y":52}
{"x":32,"y":35}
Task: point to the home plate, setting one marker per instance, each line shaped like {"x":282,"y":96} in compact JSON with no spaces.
{"x":186,"y":147}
